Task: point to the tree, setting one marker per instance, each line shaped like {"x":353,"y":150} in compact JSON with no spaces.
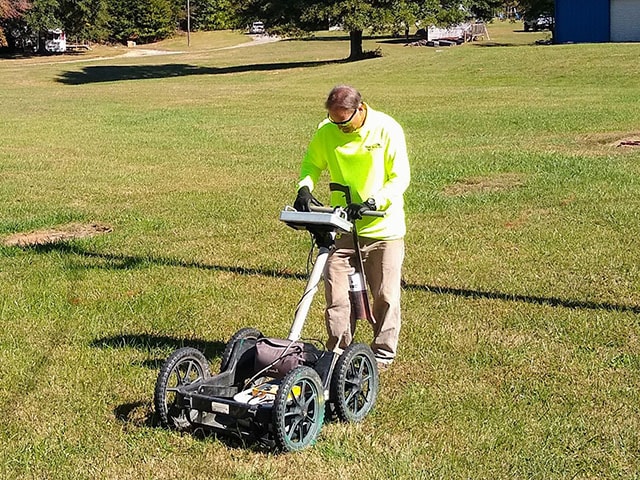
{"x":28,"y":30}
{"x":212,"y":14}
{"x":537,"y":8}
{"x":141,"y":20}
{"x":10,"y":11}
{"x":43,"y":15}
{"x":356,"y":16}
{"x":85,"y":19}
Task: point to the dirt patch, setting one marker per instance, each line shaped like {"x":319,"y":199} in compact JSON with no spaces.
{"x":146,"y":52}
{"x":614,"y":139}
{"x":64,"y":233}
{"x":489,"y":184}
{"x":629,"y":142}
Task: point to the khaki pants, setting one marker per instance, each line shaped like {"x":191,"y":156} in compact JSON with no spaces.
{"x":382,"y":266}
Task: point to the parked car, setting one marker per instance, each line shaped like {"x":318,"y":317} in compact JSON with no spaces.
{"x":256,"y":28}
{"x":542,"y":22}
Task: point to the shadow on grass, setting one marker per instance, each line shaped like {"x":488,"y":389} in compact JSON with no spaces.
{"x":498,"y":44}
{"x":511,"y":297}
{"x":129,"y":262}
{"x":114,"y":73}
{"x":147,"y":342}
{"x":117,"y":262}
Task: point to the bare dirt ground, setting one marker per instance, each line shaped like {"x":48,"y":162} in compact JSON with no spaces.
{"x":71,"y":231}
{"x":144,"y":52}
{"x":135,"y":52}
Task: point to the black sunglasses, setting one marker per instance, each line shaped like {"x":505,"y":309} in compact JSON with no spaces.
{"x":346,"y":121}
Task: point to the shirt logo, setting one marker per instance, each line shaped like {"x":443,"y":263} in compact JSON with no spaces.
{"x":373,"y":146}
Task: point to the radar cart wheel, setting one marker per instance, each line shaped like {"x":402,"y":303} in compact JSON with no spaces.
{"x":298,"y":409}
{"x":242,"y":334}
{"x":355,"y":383}
{"x":183,"y":367}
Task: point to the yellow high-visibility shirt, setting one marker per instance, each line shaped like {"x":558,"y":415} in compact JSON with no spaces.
{"x":372,"y":161}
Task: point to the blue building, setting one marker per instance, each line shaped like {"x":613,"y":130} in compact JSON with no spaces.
{"x":593,"y":21}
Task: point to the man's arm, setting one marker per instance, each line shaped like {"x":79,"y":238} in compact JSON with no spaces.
{"x":312,"y":166}
{"x":397,"y":170}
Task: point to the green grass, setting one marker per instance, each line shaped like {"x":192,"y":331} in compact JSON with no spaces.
{"x":520,"y":352}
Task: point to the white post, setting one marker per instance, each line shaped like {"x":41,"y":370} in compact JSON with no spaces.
{"x":304,"y":305}
{"x":188,"y":24}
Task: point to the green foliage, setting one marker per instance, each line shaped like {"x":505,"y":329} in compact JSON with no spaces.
{"x":484,"y":9}
{"x":85,"y":19}
{"x":212,"y":15}
{"x":535,"y":8}
{"x":43,"y":15}
{"x":356,"y":16}
{"x":96,"y":20}
{"x":149,"y":20}
{"x":282,"y":16}
{"x":141,"y":20}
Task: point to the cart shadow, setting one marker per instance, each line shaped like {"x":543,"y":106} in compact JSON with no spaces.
{"x":117,"y":261}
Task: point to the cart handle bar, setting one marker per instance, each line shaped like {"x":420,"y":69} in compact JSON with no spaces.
{"x":368,"y":213}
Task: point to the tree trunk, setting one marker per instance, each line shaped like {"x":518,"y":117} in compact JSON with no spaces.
{"x":355,"y":38}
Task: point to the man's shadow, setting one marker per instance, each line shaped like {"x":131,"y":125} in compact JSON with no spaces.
{"x":110,"y":261}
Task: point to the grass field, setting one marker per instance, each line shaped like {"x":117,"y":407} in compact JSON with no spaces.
{"x":520,"y":349}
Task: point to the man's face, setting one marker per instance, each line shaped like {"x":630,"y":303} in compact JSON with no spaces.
{"x":347,"y":120}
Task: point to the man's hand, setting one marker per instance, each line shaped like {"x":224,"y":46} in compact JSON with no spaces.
{"x":304,"y":200}
{"x":355,"y":210}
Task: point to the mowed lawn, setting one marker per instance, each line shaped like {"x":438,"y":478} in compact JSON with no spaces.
{"x":519,"y":354}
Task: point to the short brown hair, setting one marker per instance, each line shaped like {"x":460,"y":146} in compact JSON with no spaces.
{"x":343,"y":96}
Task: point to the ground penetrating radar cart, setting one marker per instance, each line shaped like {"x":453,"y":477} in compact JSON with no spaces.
{"x":277,"y":390}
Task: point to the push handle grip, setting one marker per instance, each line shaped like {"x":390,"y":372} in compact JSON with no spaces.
{"x":373,"y":213}
{"x":368,"y":213}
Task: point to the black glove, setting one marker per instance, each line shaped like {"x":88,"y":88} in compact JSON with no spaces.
{"x":355,"y":210}
{"x":304,"y":200}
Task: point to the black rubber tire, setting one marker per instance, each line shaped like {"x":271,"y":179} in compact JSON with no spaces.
{"x":241,"y":334}
{"x":355,"y":381}
{"x":183,"y":367}
{"x":298,"y":409}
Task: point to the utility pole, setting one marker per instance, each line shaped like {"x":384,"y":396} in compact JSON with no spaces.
{"x":188,"y":24}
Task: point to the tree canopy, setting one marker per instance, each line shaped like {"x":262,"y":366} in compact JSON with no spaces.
{"x":150,"y":20}
{"x":536,"y":8}
{"x":356,"y":16}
